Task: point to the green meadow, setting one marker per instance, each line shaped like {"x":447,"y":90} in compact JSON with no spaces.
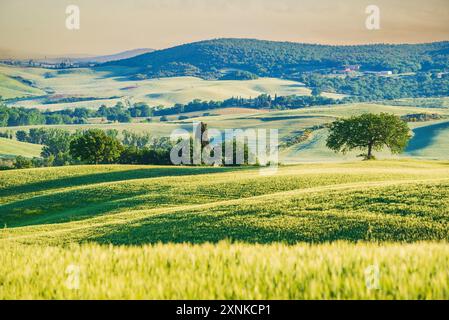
{"x":151,"y":232}
{"x":225,"y":271}
{"x":11,"y":148}
{"x":102,"y":87}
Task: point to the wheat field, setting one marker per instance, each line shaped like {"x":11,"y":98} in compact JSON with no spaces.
{"x":310,"y":231}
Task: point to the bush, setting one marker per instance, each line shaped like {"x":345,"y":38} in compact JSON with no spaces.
{"x":22,"y":163}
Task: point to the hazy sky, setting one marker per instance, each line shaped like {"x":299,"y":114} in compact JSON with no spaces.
{"x":108,"y":26}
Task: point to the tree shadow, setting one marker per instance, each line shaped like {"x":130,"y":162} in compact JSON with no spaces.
{"x":159,"y":172}
{"x":256,"y":227}
{"x":424,"y":136}
{"x":77,"y":204}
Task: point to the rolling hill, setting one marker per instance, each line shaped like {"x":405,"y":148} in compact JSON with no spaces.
{"x":12,"y":148}
{"x":101,"y":87}
{"x":237,"y":234}
{"x":428,"y":141}
{"x":11,"y":88}
{"x":211,"y":58}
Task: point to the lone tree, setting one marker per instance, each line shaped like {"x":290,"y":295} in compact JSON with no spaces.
{"x":369,"y":132}
{"x":94,"y":146}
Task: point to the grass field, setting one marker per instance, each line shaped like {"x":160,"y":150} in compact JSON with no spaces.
{"x":428,"y":141}
{"x":11,"y":88}
{"x":225,"y":271}
{"x":106,"y":89}
{"x":11,"y":148}
{"x":150,"y":232}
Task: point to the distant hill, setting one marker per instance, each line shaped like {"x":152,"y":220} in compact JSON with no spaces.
{"x":75,"y":58}
{"x":213,"y":59}
{"x":117,"y":56}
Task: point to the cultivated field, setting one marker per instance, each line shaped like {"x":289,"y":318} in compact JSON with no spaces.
{"x":225,"y":271}
{"x":11,"y":148}
{"x":100,"y":87}
{"x":309,"y":231}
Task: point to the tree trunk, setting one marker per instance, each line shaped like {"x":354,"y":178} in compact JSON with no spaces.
{"x":369,"y":156}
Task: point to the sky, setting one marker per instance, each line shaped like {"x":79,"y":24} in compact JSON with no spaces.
{"x":38,"y":27}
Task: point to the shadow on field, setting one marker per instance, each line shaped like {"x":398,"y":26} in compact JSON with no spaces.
{"x":112,"y":177}
{"x":424,"y":136}
{"x":258,"y":226}
{"x":203,"y":228}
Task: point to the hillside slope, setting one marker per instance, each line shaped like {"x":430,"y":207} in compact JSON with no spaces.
{"x":11,"y":148}
{"x":308,"y":232}
{"x":208,"y":59}
{"x":383,"y":201}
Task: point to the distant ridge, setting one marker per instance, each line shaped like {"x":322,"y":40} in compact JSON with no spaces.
{"x":80,"y":58}
{"x":117,"y":56}
{"x":210,"y":59}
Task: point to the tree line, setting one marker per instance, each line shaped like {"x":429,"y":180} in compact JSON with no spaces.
{"x":373,"y":88}
{"x":263,"y":101}
{"x":94,"y":146}
{"x":19,"y":116}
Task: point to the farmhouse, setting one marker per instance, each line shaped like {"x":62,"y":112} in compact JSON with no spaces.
{"x":352,"y":68}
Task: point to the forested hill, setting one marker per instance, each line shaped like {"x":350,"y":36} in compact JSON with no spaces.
{"x":248,"y":57}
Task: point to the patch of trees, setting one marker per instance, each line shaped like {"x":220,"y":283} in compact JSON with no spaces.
{"x":264,"y":101}
{"x":94,"y":146}
{"x":12,"y":116}
{"x":239,"y":75}
{"x":421,"y":117}
{"x":122,"y":114}
{"x":297,"y":138}
{"x":63,"y":99}
{"x":372,"y":87}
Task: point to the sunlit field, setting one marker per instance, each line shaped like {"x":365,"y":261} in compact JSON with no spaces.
{"x":101,"y":87}
{"x":150,"y":232}
{"x":225,"y":271}
{"x":11,"y":148}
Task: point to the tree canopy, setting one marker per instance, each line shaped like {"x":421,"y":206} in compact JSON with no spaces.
{"x":370,"y":132}
{"x":94,"y":146}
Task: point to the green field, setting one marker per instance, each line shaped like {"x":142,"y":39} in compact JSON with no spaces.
{"x":104,"y":88}
{"x":150,"y":232}
{"x":11,"y":88}
{"x":428,"y":141}
{"x":11,"y":148}
{"x":225,"y":271}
